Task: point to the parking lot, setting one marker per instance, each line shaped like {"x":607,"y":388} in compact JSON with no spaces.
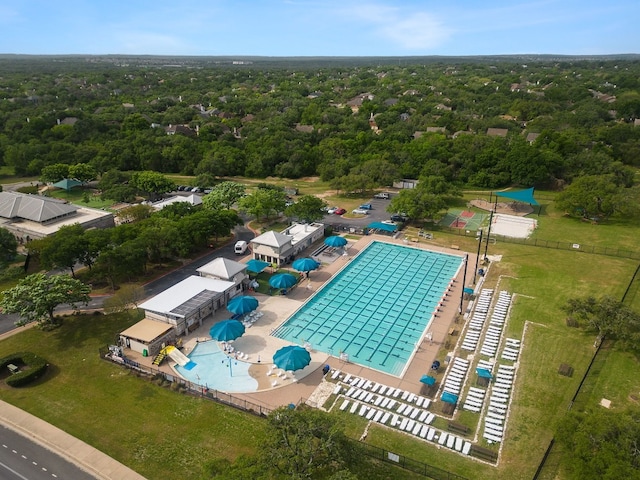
{"x":378,"y":213}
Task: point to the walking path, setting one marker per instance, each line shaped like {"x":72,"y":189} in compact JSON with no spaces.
{"x":89,"y":459}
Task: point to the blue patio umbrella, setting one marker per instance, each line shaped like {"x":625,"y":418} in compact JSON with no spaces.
{"x":292,"y":358}
{"x":428,"y":380}
{"x":305,"y":264}
{"x":335,"y":241}
{"x":283,"y":280}
{"x":227,"y":330}
{"x":256,"y":266}
{"x":449,"y":397}
{"x":241,"y":305}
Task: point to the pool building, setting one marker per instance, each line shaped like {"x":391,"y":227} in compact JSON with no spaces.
{"x":376,"y":310}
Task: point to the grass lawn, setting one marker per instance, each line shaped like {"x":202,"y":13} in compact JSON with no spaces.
{"x":155,"y":431}
{"x":77,"y":197}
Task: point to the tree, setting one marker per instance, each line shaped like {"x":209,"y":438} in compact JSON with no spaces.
{"x":601,"y":444}
{"x":54,"y":173}
{"x":36,"y":297}
{"x":64,"y":249}
{"x":224,"y":195}
{"x":8,"y":246}
{"x":305,"y":443}
{"x":591,"y":196}
{"x":263,"y":202}
{"x":83,"y":172}
{"x":152,"y":183}
{"x":135,"y":213}
{"x":308,"y":208}
{"x":608,"y":317}
{"x":418,"y":203}
{"x":127,"y":297}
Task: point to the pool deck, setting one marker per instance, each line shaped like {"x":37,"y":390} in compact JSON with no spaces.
{"x":260,"y":345}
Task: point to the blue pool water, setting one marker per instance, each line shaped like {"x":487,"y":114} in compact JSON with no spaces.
{"x":377,"y":308}
{"x":210,"y":368}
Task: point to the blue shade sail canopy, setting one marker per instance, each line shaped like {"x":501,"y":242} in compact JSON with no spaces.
{"x":283,"y":280}
{"x":241,"y":305}
{"x":305,"y":264}
{"x":524,"y":196}
{"x":292,"y":358}
{"x":428,"y":380}
{"x":382,"y":226}
{"x":484,"y":373}
{"x":449,"y":397}
{"x":335,"y":241}
{"x":256,"y":266}
{"x":227,"y":330}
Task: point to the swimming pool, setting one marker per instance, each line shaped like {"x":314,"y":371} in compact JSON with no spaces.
{"x":377,"y":308}
{"x":212,"y":370}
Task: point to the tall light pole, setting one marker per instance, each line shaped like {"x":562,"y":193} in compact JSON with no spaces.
{"x":464,"y":280}
{"x":475,"y":271}
{"x":488,"y":234}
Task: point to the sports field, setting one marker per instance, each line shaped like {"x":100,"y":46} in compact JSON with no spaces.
{"x":463,"y":219}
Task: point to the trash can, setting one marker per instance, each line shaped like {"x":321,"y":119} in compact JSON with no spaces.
{"x":145,"y":353}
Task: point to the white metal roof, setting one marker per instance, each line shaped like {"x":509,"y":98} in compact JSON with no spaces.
{"x":173,"y":297}
{"x":191,"y":199}
{"x":222,"y":268}
{"x":272,"y":239}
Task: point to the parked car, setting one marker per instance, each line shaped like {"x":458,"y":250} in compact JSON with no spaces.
{"x":399,"y":217}
{"x":382,"y":195}
{"x":340,"y":211}
{"x":332,"y":210}
{"x":366,"y":206}
{"x":360,"y":211}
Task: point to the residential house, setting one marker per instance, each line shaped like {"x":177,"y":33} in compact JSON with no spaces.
{"x":497,"y":132}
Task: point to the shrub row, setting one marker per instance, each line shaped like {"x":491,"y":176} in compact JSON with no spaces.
{"x":36,"y":366}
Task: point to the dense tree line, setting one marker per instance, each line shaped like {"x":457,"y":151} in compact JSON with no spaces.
{"x":243,"y":121}
{"x":122,"y":253}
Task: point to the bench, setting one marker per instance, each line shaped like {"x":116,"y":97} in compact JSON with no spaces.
{"x":458,"y":428}
{"x":12,"y":368}
{"x":453,"y":332}
{"x":484,"y":453}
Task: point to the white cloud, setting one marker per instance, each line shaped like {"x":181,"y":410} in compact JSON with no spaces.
{"x":405,"y":28}
{"x":420,"y":32}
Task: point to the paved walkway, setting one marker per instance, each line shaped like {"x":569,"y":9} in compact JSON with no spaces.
{"x":86,"y":457}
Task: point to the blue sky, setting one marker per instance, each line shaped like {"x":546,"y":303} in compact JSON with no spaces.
{"x":319,"y":27}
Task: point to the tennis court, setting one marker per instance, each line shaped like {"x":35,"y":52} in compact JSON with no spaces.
{"x":463,"y":219}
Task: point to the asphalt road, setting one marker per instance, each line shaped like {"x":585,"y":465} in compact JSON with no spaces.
{"x":23,"y":459}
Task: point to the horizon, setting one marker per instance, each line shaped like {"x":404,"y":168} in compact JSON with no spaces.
{"x":311,"y":29}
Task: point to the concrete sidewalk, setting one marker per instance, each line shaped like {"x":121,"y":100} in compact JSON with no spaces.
{"x":86,"y":457}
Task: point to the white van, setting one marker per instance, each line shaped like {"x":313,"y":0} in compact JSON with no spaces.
{"x":240,"y":247}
